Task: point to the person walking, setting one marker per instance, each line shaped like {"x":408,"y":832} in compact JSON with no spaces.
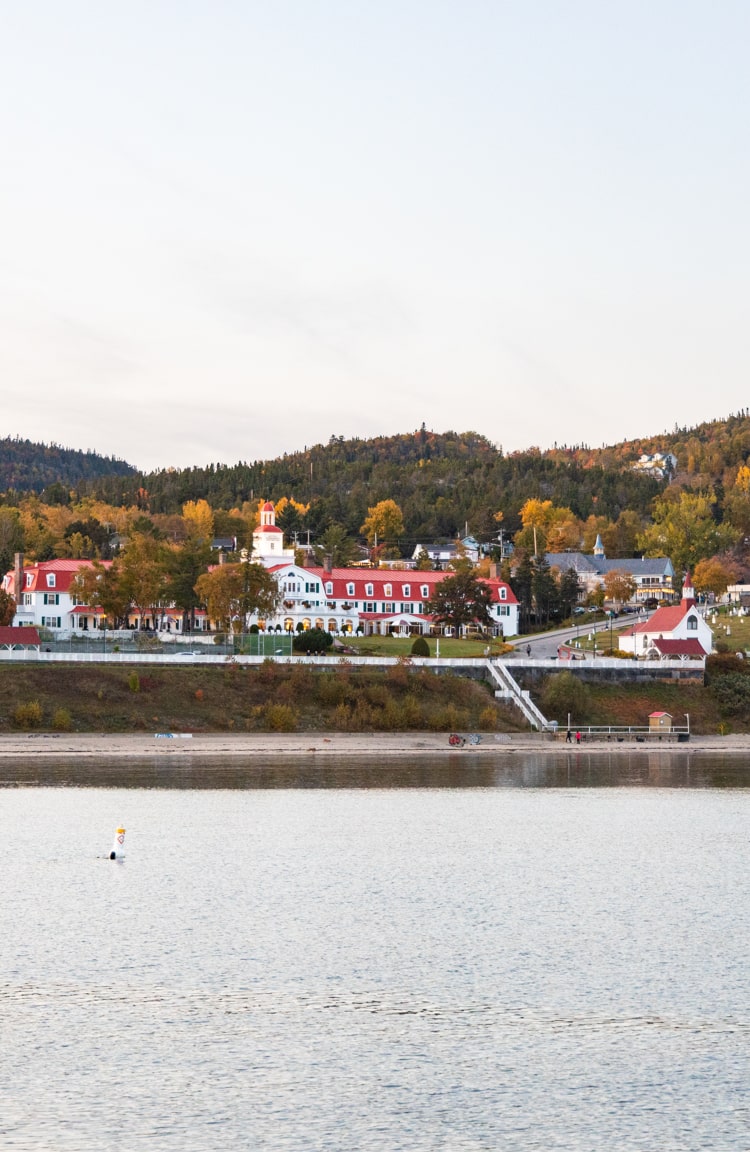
{"x":528,"y":649}
{"x":568,"y":737}
{"x":578,"y":737}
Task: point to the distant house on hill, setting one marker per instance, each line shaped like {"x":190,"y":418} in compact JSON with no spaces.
{"x":658,"y":464}
{"x":653,"y":576}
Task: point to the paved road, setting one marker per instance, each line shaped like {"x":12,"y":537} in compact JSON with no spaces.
{"x":546,"y":644}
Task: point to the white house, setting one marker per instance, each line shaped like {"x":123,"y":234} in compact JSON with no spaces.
{"x":675,"y":631}
{"x":375,"y":601}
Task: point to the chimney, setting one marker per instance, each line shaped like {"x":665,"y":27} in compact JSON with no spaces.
{"x":494,"y":571}
{"x":328,"y":562}
{"x":18,"y":578}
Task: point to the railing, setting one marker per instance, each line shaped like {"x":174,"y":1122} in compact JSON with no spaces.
{"x":620,"y":732}
{"x":511,"y":690}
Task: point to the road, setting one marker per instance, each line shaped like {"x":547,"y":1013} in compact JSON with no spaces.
{"x":546,"y":644}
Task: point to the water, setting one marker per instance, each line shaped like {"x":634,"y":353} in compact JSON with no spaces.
{"x":474,"y":965}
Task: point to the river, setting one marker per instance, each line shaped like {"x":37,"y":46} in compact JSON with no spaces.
{"x":509,"y":953}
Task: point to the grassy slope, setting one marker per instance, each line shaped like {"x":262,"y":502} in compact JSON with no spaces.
{"x":99,"y":698}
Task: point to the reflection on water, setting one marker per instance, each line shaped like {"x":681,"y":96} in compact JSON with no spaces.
{"x":461,"y":956}
{"x":443,"y":770}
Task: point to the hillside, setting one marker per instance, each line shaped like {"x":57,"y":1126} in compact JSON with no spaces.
{"x":29,"y":467}
{"x":442,"y":482}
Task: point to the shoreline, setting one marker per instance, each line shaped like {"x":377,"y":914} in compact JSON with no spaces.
{"x":141,"y":746}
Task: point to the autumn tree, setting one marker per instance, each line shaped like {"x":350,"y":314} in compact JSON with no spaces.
{"x":142,"y":571}
{"x":100,"y":586}
{"x":232,"y":592}
{"x":199,"y":519}
{"x":384,"y":523}
{"x":684,"y":529}
{"x":423,"y":563}
{"x":619,"y":586}
{"x":713,"y":575}
{"x":460,"y":600}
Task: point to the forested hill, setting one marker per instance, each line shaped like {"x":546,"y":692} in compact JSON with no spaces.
{"x":25,"y":466}
{"x":708,"y":454}
{"x":441,"y":481}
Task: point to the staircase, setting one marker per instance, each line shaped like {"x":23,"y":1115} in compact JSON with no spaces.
{"x":509,"y":689}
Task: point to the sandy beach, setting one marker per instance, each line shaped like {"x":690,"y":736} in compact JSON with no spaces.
{"x":344,"y":744}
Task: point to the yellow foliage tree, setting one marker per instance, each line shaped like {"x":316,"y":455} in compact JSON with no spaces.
{"x":199,"y":518}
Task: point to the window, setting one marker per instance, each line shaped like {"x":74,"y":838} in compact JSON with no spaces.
{"x":50,"y":621}
{"x":29,"y":579}
{"x":369,"y":590}
{"x":406,"y":590}
{"x":329,"y":588}
{"x":369,"y":607}
{"x":692,"y":623}
{"x":350,"y":589}
{"x":51,"y":597}
{"x":406,"y":607}
{"x":28,"y":598}
{"x":387,"y":589}
{"x":425,"y":591}
{"x":391,"y":608}
{"x":50,"y":579}
{"x":503,"y":593}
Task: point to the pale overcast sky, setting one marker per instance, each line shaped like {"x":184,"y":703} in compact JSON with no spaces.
{"x":234,"y":228}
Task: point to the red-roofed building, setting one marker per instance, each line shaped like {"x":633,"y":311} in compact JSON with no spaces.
{"x":44,"y":598}
{"x":675,"y":631}
{"x":372,"y":600}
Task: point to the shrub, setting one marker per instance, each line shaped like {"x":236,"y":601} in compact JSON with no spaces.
{"x":253,"y":629}
{"x":280,"y":718}
{"x":488,"y":719}
{"x":420,"y":647}
{"x":134,"y":682}
{"x":28,"y":715}
{"x":62,"y":721}
{"x":732,"y":693}
{"x":563,"y":693}
{"x":314,"y":640}
{"x":219,"y":638}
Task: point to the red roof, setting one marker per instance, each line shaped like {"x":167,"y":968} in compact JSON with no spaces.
{"x":268,"y":506}
{"x":663,"y":619}
{"x":83,"y":610}
{"x":64,"y":572}
{"x":398,"y":578}
{"x":691,"y":647}
{"x":23,"y":636}
{"x":268,"y":528}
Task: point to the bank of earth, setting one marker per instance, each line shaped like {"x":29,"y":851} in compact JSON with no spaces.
{"x":268,"y":697}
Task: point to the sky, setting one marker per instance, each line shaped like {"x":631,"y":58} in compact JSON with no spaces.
{"x":234,"y":229}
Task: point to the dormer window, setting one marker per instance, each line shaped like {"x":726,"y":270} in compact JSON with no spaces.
{"x":388,"y":590}
{"x":369,"y":591}
{"x":406,"y":591}
{"x":29,"y":579}
{"x":425,"y":591}
{"x":503,"y":593}
{"x":50,"y":579}
{"x":329,"y":588}
{"x":350,"y":588}
{"x":692,"y":623}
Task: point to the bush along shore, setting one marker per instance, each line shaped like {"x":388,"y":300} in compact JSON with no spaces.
{"x":270,"y":697}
